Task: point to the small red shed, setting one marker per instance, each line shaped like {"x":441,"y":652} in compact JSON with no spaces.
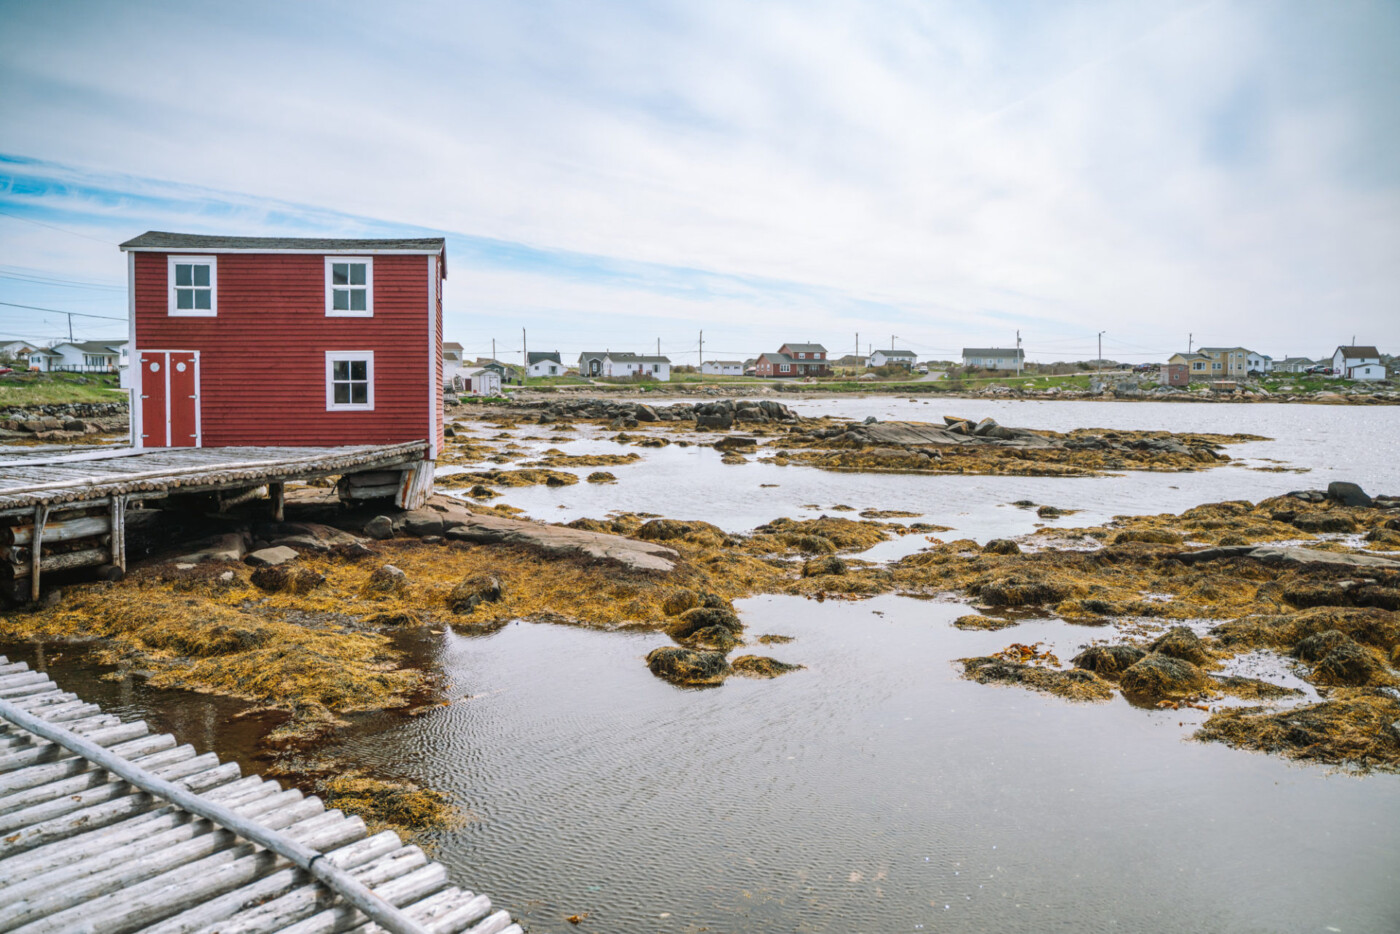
{"x":272,"y":341}
{"x":1176,"y":374}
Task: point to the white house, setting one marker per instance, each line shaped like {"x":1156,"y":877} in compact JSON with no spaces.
{"x":626,"y":364}
{"x":722,"y":368}
{"x":477,"y":381}
{"x":991,"y":358}
{"x":1357,"y":363}
{"x":82,"y":357}
{"x":19,"y":351}
{"x":1258,"y":362}
{"x":1293,"y":364}
{"x":545,"y":364}
{"x":905,"y":358}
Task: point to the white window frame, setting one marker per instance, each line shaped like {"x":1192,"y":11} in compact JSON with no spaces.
{"x":204,"y":260}
{"x":338,"y":356}
{"x":368,"y":312}
{"x":784,"y":368}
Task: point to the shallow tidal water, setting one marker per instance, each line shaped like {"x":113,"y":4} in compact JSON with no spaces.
{"x":876,"y":790}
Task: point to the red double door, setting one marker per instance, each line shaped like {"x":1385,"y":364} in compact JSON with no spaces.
{"x":170,"y":399}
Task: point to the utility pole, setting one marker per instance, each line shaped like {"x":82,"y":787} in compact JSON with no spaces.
{"x":891,"y":342}
{"x":1018,"y":353}
{"x":493,"y":350}
{"x":524,"y":358}
{"x":658,"y":346}
{"x":857,"y":343}
{"x":701,"y":354}
{"x":1099,"y":366}
{"x":1190,"y":342}
{"x":70,"y":329}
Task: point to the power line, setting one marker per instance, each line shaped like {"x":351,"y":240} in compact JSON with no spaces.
{"x":65,"y":283}
{"x":60,"y":311}
{"x":30,"y":220}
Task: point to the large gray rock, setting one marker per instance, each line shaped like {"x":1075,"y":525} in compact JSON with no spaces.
{"x":1348,"y":494}
{"x":423,"y":522}
{"x":387,"y":579}
{"x":380,"y":527}
{"x":1287,"y":555}
{"x":271,"y":557}
{"x":228,"y":547}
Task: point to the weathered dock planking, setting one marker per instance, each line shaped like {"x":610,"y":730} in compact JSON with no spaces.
{"x":66,"y":497}
{"x":84,"y":849}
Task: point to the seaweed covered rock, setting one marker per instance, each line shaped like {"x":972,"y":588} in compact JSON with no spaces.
{"x":687,"y":666}
{"x":1147,"y":537}
{"x":1001,"y":546}
{"x":817,"y":567}
{"x":1350,"y":664}
{"x":1108,"y":661}
{"x":284,"y":578}
{"x":761,"y":666}
{"x":703,"y":617}
{"x":1074,"y":684}
{"x":1017,"y":590}
{"x":1356,"y":728}
{"x":601,"y":476}
{"x":1253,"y":688}
{"x":387,"y":579}
{"x":474,"y":590}
{"x":679,"y":600}
{"x":1181,"y":642}
{"x":714,"y":638}
{"x":974,"y":621}
{"x":662,"y":530}
{"x":1160,"y":676}
{"x":1318,"y":645}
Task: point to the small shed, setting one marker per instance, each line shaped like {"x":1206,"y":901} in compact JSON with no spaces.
{"x":1176,"y":374}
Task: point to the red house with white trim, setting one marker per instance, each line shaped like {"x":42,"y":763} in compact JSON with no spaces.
{"x":794,"y":360}
{"x":271,"y":341}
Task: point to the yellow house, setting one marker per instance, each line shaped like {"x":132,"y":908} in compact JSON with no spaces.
{"x":1215,"y":362}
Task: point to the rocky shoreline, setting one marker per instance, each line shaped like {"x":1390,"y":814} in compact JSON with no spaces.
{"x":62,"y":422}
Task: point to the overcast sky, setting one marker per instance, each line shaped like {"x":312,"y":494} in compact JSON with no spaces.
{"x":609,"y":175}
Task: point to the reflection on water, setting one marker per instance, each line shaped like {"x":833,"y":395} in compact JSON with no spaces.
{"x":1330,"y":442}
{"x":874,"y":791}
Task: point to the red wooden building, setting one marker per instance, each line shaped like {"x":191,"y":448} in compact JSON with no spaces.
{"x":794,"y":360}
{"x":270,"y":341}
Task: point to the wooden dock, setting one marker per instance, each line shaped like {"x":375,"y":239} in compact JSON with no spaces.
{"x":82,"y":849}
{"x":68,"y":510}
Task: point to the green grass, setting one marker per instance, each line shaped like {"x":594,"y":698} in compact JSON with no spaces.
{"x":59,"y":388}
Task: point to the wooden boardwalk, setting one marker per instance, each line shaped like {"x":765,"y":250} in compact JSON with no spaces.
{"x":82,"y":850}
{"x":74,"y":503}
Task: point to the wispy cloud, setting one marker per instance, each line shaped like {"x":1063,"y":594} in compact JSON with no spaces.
{"x":946,"y":172}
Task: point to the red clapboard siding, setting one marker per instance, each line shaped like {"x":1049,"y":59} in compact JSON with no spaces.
{"x":262,"y":359}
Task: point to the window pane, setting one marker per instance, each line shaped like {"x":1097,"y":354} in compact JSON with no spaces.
{"x":357,"y":299}
{"x":340,"y":300}
{"x":340,"y":370}
{"x":359,"y":393}
{"x":357,"y":273}
{"x":183,"y":274}
{"x":359,"y":370}
{"x":184,"y":298}
{"x":201,"y":275}
{"x":342,"y":393}
{"x":340,"y":273}
{"x":201,"y":298}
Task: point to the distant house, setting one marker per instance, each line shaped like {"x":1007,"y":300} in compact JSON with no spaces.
{"x":722,"y":368}
{"x":904,"y":358}
{"x":617,"y":364}
{"x":792,"y":360}
{"x":1227,"y":362}
{"x":1197,"y":365}
{"x":81,"y":357}
{"x":544,"y":364}
{"x":451,"y":354}
{"x":19,"y":352}
{"x":992,"y":358}
{"x":477,"y":381}
{"x":1258,"y":362}
{"x":1294,"y":365}
{"x":590,"y":362}
{"x":1361,"y":362}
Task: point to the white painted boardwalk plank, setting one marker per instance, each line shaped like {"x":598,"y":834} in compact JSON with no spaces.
{"x":82,"y":851}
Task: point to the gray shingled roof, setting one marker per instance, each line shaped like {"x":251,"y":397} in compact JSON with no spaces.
{"x":990,"y":352}
{"x":543,"y":356}
{"x":1359,"y":350}
{"x":635,"y":358}
{"x":805,"y":348}
{"x":163,"y":240}
{"x":896,"y":353}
